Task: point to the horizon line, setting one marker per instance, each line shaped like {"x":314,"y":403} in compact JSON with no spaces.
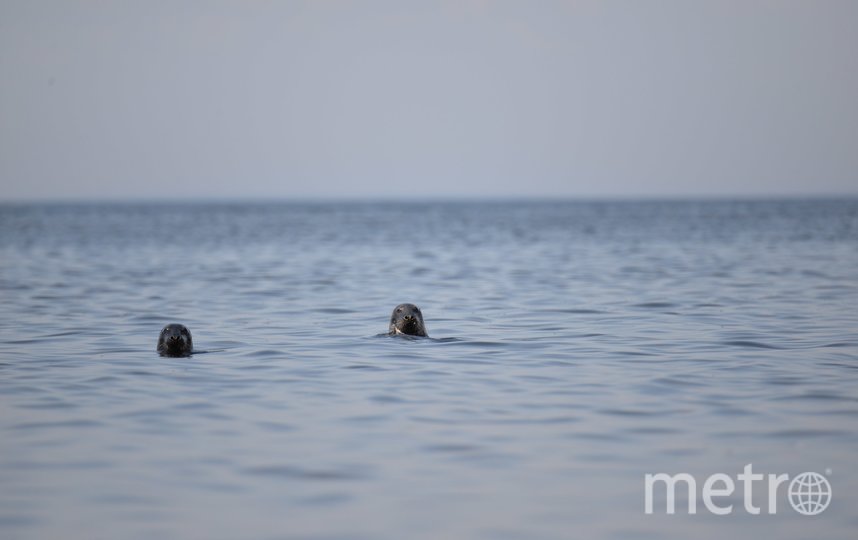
{"x":305,"y":199}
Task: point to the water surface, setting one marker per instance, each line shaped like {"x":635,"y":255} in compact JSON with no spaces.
{"x":579,"y":346}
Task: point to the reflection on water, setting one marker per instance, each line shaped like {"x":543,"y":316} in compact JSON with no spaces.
{"x":575,"y":347}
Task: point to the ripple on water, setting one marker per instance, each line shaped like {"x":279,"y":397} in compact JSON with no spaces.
{"x":291,"y":472}
{"x":750,"y":344}
{"x":654,"y":305}
{"x":50,"y":425}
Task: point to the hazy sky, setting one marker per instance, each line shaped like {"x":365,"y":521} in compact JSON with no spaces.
{"x":259,"y":99}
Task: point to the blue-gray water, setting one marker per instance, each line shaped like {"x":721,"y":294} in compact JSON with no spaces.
{"x":578,"y":347}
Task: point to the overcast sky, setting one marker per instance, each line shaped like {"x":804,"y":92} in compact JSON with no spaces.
{"x":266,"y":99}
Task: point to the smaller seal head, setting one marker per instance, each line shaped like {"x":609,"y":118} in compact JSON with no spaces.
{"x":175,"y":340}
{"x":407,"y":319}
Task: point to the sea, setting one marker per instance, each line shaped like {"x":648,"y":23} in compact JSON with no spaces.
{"x":585,"y":360}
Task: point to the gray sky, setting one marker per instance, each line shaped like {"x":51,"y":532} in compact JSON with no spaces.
{"x":259,"y":99}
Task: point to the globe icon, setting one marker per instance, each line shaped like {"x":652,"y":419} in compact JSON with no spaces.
{"x":809,"y":493}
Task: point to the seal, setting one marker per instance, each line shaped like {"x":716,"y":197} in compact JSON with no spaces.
{"x":407,"y":319}
{"x":175,"y":340}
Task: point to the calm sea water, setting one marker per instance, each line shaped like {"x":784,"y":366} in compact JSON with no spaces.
{"x":578,"y":346}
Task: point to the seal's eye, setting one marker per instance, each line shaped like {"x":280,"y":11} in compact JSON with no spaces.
{"x":184,"y":331}
{"x":399,"y":310}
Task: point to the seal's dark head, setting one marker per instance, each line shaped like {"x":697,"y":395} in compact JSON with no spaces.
{"x":407,"y":319}
{"x":175,"y":340}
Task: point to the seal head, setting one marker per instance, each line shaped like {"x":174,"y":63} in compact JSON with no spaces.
{"x":175,"y":340}
{"x":407,"y":319}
